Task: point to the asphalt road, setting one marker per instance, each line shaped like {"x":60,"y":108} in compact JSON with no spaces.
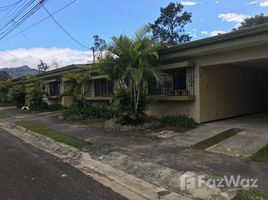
{"x":27,"y":173}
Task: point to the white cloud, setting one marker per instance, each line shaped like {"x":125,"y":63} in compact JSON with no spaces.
{"x":262,"y":3}
{"x":253,"y":2}
{"x":216,"y":2}
{"x":31,"y":57}
{"x":213,"y":33}
{"x":188,"y":3}
{"x":233,"y":17}
{"x":204,"y":32}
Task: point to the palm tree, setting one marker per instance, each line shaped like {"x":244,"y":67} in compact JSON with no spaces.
{"x":129,"y":63}
{"x":75,"y":83}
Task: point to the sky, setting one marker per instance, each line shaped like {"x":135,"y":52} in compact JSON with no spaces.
{"x":106,"y":18}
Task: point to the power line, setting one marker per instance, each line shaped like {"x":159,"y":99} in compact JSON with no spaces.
{"x":12,"y":21}
{"x":35,"y":24}
{"x":65,"y":31}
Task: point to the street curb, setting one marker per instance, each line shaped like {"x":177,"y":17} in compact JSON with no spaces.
{"x":125,"y":184}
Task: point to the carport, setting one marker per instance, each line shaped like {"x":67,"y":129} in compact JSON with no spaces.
{"x":233,"y":89}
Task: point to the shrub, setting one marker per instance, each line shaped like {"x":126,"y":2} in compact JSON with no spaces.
{"x":4,"y":89}
{"x":54,"y":107}
{"x":122,"y":104}
{"x":115,"y":124}
{"x":180,"y":121}
{"x":35,"y":99}
{"x":17,"y":94}
{"x":84,"y":110}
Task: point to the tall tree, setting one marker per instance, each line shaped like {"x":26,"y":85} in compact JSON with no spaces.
{"x":55,"y":64}
{"x":99,"y":46}
{"x":128,"y":63}
{"x":253,"y":21}
{"x":42,"y":66}
{"x":169,"y":27}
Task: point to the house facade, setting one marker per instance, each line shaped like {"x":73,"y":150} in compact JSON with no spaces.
{"x":230,"y":76}
{"x":209,"y":79}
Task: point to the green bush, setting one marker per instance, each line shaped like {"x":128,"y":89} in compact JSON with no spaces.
{"x":54,"y":107}
{"x":123,"y":105}
{"x":180,"y":121}
{"x":115,"y":124}
{"x":4,"y":89}
{"x":17,"y":94}
{"x":35,"y":98}
{"x":85,"y":110}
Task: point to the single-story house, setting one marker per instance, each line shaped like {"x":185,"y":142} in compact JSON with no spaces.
{"x":208,"y":79}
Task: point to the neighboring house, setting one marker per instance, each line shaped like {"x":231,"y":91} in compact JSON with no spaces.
{"x":97,"y":88}
{"x":209,"y":79}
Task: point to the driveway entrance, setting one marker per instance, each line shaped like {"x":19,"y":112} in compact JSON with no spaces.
{"x":253,"y":137}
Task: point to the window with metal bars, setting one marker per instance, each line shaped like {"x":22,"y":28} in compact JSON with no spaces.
{"x":54,"y":89}
{"x":103,"y":88}
{"x":172,"y":83}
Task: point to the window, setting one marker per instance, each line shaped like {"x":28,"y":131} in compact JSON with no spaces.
{"x":103,"y":88}
{"x":54,"y":89}
{"x":173,"y":83}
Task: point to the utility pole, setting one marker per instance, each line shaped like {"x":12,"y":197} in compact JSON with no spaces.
{"x":94,"y":56}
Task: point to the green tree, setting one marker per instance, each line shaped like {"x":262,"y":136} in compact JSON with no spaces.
{"x":129,"y":63}
{"x":74,"y":85}
{"x":169,"y":27}
{"x":253,"y":21}
{"x":99,"y":47}
{"x":17,"y":93}
{"x":35,"y":96}
{"x":42,"y":66}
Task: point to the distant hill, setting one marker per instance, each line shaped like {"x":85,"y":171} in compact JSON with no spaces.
{"x":4,"y":76}
{"x":19,"y":71}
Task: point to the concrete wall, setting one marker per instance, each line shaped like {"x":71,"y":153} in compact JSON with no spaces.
{"x":228,"y":91}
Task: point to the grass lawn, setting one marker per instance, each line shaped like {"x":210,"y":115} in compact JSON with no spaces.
{"x":261,"y":155}
{"x":251,"y":194}
{"x":216,"y":139}
{"x":3,"y":114}
{"x":55,"y":135}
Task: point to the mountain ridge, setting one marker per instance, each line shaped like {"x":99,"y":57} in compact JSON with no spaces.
{"x":16,"y":72}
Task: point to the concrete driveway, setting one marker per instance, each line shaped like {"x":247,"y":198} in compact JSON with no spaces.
{"x":253,"y":137}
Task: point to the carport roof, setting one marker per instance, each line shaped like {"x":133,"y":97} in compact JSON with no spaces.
{"x":243,"y":33}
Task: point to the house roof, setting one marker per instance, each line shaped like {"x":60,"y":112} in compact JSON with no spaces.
{"x":56,"y":72}
{"x":242,"y":35}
